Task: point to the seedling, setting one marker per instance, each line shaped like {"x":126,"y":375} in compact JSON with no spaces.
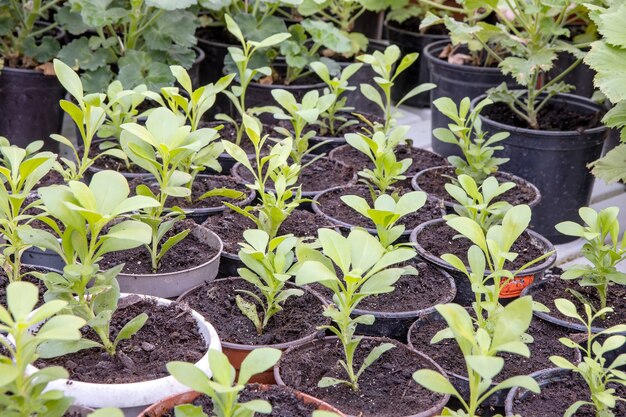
{"x":480,"y":350}
{"x":386,"y":65}
{"x":268,"y":265}
{"x":276,"y":205}
{"x":21,"y":394}
{"x":221,"y":387}
{"x":602,"y":249}
{"x":599,"y":377}
{"x":364,"y":270}
{"x":380,"y":149}
{"x":301,"y":116}
{"x":476,"y":202}
{"x":386,"y":213}
{"x":465,"y":132}
{"x":20,"y":171}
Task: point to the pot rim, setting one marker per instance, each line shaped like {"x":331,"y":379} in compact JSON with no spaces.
{"x":436,"y":408}
{"x":389,"y":24}
{"x":431,"y":52}
{"x":543,"y":377}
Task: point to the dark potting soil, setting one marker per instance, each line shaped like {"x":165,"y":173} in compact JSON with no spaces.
{"x":299,"y":318}
{"x":434,"y":183}
{"x":51,"y":178}
{"x":438,"y":239}
{"x":331,"y":205}
{"x":170,"y":334}
{"x":358,"y":127}
{"x":318,"y":176}
{"x":72,"y":414}
{"x":112,"y":163}
{"x":389,"y":377}
{"x":553,"y":117}
{"x":284,"y":402}
{"x":555,"y":398}
{"x":188,"y":253}
{"x":447,"y":353}
{"x":555,"y":287}
{"x":4,"y":282}
{"x":201,"y":185}
{"x":229,"y":226}
{"x":33,"y":211}
{"x":228,"y":132}
{"x":430,"y":287}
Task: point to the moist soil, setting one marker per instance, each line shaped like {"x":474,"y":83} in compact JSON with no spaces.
{"x":170,"y":334}
{"x":201,"y":185}
{"x":390,"y":376}
{"x":112,"y":163}
{"x":4,"y":282}
{"x":318,"y":176}
{"x":331,"y":205}
{"x":284,"y":402}
{"x":434,"y":183}
{"x":555,"y":398}
{"x":447,"y":353}
{"x":188,"y":253}
{"x":229,"y":226}
{"x":299,"y":318}
{"x":33,"y":211}
{"x":412,"y":293}
{"x":51,"y":178}
{"x":438,"y":239}
{"x":553,"y":117}
{"x":358,"y":127}
{"x":556,"y":287}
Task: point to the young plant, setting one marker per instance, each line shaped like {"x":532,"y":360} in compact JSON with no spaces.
{"x":602,"y":249}
{"x":379,"y":148}
{"x":162,"y":147}
{"x":388,"y":66}
{"x":221,"y":387}
{"x":268,"y":265}
{"x":480,"y":350}
{"x":386,"y":212}
{"x":600,"y":378}
{"x":404,"y":10}
{"x":476,"y":202}
{"x":22,"y":394}
{"x":20,"y":171}
{"x":334,"y":121}
{"x":465,"y":132}
{"x":353,"y":268}
{"x":276,"y":205}
{"x":301,"y":116}
{"x":242,"y":57}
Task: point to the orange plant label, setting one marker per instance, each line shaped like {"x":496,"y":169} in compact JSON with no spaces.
{"x":515,"y":287}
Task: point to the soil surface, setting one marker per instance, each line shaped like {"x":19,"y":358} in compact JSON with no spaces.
{"x":4,"y":282}
{"x":318,"y":176}
{"x":439,"y":239}
{"x":51,"y":178}
{"x":299,"y":318}
{"x":353,"y":128}
{"x":447,"y":353}
{"x":434,"y":183}
{"x":559,"y":288}
{"x":283,"y":400}
{"x":555,"y":398}
{"x":331,"y":205}
{"x":188,"y":253}
{"x":230,"y":226}
{"x":170,"y":334}
{"x":388,"y":377}
{"x":113,"y":163}
{"x":553,"y":117}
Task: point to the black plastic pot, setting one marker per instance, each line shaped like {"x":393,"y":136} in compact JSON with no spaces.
{"x":543,"y":378}
{"x":212,"y":68}
{"x":580,"y":77}
{"x":410,"y":42}
{"x":195,"y":70}
{"x":464,"y":294}
{"x":456,"y":82}
{"x":43,"y":258}
{"x":29,"y":104}
{"x":555,"y":162}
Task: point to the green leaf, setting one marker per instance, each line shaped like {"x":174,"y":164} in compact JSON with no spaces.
{"x":69,"y":79}
{"x":131,"y":328}
{"x":434,"y":381}
{"x":257,"y":361}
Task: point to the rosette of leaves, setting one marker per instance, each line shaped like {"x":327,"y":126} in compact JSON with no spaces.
{"x":20,"y":171}
{"x":133,"y":41}
{"x":602,"y":248}
{"x":26,"y":33}
{"x":465,"y":131}
{"x":259,"y":19}
{"x":353,"y":268}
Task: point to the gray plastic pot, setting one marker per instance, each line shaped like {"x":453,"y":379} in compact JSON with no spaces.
{"x":39,"y":257}
{"x":543,"y":378}
{"x":173,"y":284}
{"x":465,"y":295}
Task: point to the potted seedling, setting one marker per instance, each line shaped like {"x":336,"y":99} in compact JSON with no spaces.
{"x":597,"y":384}
{"x":474,"y":155}
{"x":260,"y":307}
{"x":348,"y":370}
{"x":28,"y":44}
{"x":134,"y":42}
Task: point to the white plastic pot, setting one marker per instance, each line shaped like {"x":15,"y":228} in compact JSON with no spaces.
{"x":134,"y":397}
